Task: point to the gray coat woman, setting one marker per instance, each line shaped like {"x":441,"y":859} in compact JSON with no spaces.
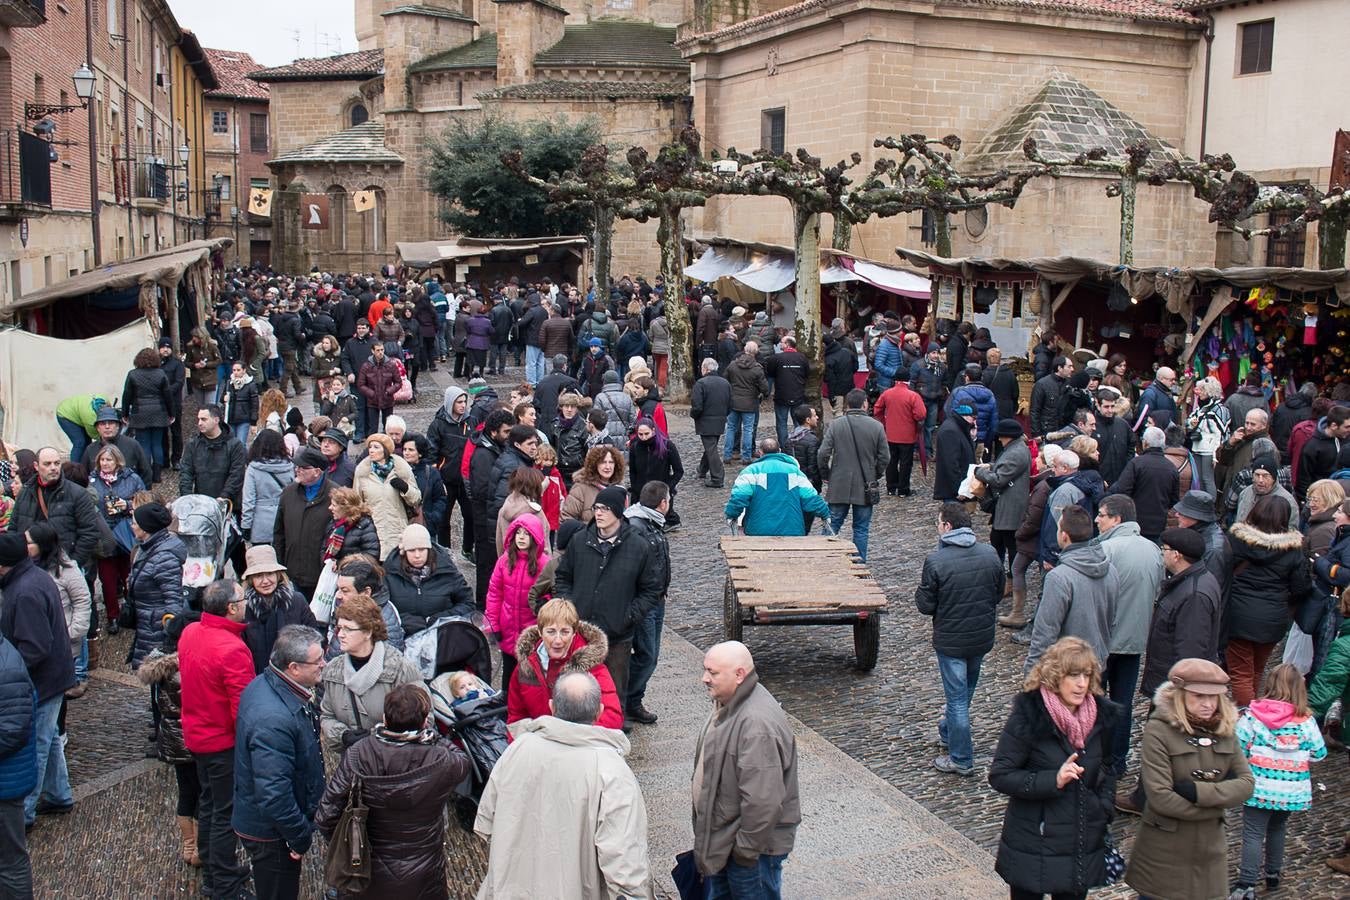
{"x":853,"y":454}
{"x":1010,"y":477}
{"x":267,"y":475}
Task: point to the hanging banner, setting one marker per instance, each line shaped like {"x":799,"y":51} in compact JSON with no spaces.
{"x":364,"y":201}
{"x":314,"y":212}
{"x":946,"y":304}
{"x":1002,"y":311}
{"x":260,"y":202}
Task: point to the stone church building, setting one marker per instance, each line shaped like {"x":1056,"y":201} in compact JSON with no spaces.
{"x":827,"y":75}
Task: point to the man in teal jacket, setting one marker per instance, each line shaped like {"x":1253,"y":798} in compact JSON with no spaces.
{"x":777,"y":499}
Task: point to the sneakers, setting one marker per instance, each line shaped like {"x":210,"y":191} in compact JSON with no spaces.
{"x":1243,"y":892}
{"x":48,"y":808}
{"x":642,"y":715}
{"x":1273,"y":881}
{"x":1125,"y":803}
{"x":948,"y":766}
{"x":1022,"y":637}
{"x":1012,"y":622}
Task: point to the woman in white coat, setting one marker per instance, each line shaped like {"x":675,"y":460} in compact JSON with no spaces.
{"x":388,"y":486}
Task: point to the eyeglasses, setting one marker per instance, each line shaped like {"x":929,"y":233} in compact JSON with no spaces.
{"x":349,"y":629}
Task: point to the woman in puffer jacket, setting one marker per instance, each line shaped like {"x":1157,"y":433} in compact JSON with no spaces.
{"x":269,"y":471}
{"x":148,"y":405}
{"x":517,"y":569}
{"x":353,"y":529}
{"x":44,"y":545}
{"x":155,"y":586}
{"x":160,"y":671}
{"x":423,"y":582}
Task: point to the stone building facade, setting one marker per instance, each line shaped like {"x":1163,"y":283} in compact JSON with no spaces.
{"x":367,"y":120}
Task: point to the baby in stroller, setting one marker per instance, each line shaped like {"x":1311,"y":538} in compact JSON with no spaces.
{"x":470,"y":711}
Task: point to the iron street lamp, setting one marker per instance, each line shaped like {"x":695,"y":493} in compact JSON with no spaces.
{"x":84,"y":89}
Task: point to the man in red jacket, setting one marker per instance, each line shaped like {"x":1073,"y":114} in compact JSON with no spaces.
{"x":214,"y":667}
{"x":902,"y":411}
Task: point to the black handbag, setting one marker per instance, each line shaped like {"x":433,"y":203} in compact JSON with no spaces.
{"x":1310,"y":610}
{"x":871,"y":489}
{"x":348,"y":865}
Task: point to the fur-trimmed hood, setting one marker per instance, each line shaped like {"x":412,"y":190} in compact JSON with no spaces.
{"x":589,"y":649}
{"x":158,"y":668}
{"x":1165,"y":708}
{"x":1276,"y":543}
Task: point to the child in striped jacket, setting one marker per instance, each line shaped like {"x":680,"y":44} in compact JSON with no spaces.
{"x":1280,"y":738}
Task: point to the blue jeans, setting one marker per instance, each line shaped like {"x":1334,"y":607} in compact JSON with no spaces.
{"x":930,"y":426}
{"x":241,"y":431}
{"x":443,"y":336}
{"x":222,"y":378}
{"x":763,"y":881}
{"x":1122,"y":677}
{"x":82,"y":661}
{"x":959,"y":677}
{"x":646,"y":646}
{"x":862,"y":522}
{"x":741,"y":426}
{"x":53,"y":781}
{"x":79,"y":439}
{"x":782,"y":414}
{"x":534,"y":364}
{"x":152,"y":442}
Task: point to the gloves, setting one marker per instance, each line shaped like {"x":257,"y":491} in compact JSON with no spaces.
{"x":398,"y":484}
{"x":1186,"y":789}
{"x":352,"y":735}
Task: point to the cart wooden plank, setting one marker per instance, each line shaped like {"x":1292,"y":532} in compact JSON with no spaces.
{"x":734,"y":541}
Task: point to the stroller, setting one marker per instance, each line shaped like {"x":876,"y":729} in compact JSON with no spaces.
{"x":209,"y":532}
{"x":479,"y":727}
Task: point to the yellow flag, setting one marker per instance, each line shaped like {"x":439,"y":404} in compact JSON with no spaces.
{"x":364,"y":201}
{"x":260,"y":202}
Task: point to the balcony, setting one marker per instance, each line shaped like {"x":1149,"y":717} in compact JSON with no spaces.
{"x":152,"y":184}
{"x":25,"y":175}
{"x":23,"y":13}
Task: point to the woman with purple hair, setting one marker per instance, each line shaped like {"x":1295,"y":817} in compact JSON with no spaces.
{"x":653,"y":457}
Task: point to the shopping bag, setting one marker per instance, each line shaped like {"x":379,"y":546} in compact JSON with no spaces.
{"x":1298,"y":650}
{"x":325,"y":593}
{"x":404,"y":393}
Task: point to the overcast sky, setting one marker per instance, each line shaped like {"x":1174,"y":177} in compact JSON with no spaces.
{"x":267,"y":28}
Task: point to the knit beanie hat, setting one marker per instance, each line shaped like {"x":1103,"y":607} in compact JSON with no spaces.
{"x":152,"y":517}
{"x":614,"y":498}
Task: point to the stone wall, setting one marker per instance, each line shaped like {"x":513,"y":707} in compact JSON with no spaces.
{"x":524,"y":29}
{"x":451,"y":89}
{"x":306,"y":111}
{"x":411,"y":37}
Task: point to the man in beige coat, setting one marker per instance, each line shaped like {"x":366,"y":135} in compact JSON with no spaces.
{"x":563,"y":785}
{"x":746,"y":808}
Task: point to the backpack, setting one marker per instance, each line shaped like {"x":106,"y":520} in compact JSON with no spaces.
{"x":469,"y":446}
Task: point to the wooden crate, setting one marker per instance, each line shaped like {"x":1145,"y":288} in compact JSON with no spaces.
{"x":794,"y":575}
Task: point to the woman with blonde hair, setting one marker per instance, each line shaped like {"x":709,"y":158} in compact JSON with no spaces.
{"x":1324,"y":498}
{"x":353,"y":528}
{"x":1052,"y":762}
{"x":604,"y":466}
{"x":272,"y":410}
{"x":1207,"y":427}
{"x":387,"y":484}
{"x":1192,"y":769}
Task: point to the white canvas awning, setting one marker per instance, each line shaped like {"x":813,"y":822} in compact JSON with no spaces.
{"x":715,"y":263}
{"x":888,"y":278}
{"x":425,"y":254}
{"x":770,"y":268}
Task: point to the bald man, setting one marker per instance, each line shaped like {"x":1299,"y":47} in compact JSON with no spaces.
{"x":1156,"y":405}
{"x":745,"y":767}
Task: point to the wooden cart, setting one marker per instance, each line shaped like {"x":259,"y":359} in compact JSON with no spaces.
{"x":802,"y":581}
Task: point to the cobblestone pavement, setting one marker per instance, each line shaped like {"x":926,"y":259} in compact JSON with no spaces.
{"x":120,"y":841}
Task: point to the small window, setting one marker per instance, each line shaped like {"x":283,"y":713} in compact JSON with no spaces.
{"x":1288,"y":249}
{"x":1257,"y":41}
{"x":359,"y":115}
{"x":257,"y":132}
{"x":773,"y":130}
{"x":113,"y":23}
{"x":224,"y":184}
{"x":928,"y":228}
{"x":220,"y":121}
{"x":258,"y":184}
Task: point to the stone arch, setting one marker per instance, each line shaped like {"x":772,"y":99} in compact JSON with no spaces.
{"x":356,"y":111}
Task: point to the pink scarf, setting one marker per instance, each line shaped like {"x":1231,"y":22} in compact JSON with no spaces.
{"x":1076,"y":724}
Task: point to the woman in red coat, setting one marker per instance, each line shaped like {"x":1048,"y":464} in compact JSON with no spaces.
{"x":563,"y":643}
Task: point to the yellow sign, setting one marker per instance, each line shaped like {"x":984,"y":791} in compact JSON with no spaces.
{"x":364,"y":201}
{"x":260,"y":202}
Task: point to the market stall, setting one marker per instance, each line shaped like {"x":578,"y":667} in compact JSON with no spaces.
{"x":464,"y":259}
{"x":1284,"y":322}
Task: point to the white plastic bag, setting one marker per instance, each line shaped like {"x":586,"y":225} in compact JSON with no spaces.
{"x":325,"y":593}
{"x":1298,"y":650}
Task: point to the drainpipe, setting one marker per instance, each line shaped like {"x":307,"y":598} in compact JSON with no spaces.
{"x":93,"y":137}
{"x":126,"y":128}
{"x":1204,"y":97}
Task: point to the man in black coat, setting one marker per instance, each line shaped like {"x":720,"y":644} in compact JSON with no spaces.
{"x":213,"y":463}
{"x":31,"y":619}
{"x":1195,"y":511}
{"x":303,"y":520}
{"x":522,"y":441}
{"x":608,"y":572}
{"x":955,"y":450}
{"x":550,"y":387}
{"x":355,"y":352}
{"x":841,"y":361}
{"x":109,"y":426}
{"x":1045,"y":397}
{"x":958,"y":346}
{"x":18,"y":769}
{"x":1002,"y":382}
{"x":1115,"y":439}
{"x":1152,"y":482}
{"x":290,"y":337}
{"x":344,"y":318}
{"x":66,"y":506}
{"x":787,"y":368}
{"x":960,"y":587}
{"x":488,"y":445}
{"x":1297,"y":407}
{"x":176,"y":372}
{"x":709,"y":407}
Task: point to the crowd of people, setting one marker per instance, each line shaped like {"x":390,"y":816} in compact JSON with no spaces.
{"x":1177,"y":550}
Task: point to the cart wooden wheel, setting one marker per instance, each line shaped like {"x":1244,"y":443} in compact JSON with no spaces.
{"x":867,"y":641}
{"x":732,"y":628}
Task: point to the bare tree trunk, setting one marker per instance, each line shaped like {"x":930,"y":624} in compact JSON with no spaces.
{"x":1331,"y":238}
{"x":668,"y":235}
{"x":942,"y":231}
{"x":842,"y":238}
{"x":604,"y":238}
{"x":1129,"y":190}
{"x":807,"y":324}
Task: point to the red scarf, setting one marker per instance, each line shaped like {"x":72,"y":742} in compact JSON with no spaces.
{"x":1077,"y":723}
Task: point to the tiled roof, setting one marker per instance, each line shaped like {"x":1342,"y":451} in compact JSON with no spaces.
{"x":364,"y":143}
{"x":630,"y":45}
{"x":479,"y":54}
{"x":591,"y":90}
{"x":433,"y":11}
{"x":345,"y":67}
{"x":232,"y":68}
{"x":1066,"y":118}
{"x":1145,"y":10}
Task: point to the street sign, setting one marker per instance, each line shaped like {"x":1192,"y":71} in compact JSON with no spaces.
{"x":23,"y":232}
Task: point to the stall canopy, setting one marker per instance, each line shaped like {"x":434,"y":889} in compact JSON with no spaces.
{"x":428,"y":254}
{"x":770,"y":268}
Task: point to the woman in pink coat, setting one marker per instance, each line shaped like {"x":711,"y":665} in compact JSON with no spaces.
{"x":525,"y":553}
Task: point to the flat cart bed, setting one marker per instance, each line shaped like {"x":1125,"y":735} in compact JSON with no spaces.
{"x":802,"y":581}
